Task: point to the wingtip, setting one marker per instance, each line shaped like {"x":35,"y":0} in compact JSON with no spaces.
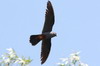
{"x":42,"y":61}
{"x":49,"y":4}
{"x":48,"y":1}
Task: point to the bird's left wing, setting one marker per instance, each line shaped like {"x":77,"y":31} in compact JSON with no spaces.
{"x":45,"y":49}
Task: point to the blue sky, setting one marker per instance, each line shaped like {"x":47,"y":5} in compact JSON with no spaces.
{"x":77,"y":23}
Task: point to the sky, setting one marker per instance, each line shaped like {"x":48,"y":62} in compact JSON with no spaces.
{"x":77,"y":24}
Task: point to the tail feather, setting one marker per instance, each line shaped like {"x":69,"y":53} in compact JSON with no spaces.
{"x":34,"y":39}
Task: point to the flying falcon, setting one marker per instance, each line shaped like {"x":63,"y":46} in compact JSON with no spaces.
{"x":46,"y":33}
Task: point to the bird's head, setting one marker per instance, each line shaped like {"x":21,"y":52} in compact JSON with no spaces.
{"x":53,"y":34}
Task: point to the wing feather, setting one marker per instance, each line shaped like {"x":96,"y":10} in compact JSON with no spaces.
{"x":45,"y":49}
{"x":49,"y":18}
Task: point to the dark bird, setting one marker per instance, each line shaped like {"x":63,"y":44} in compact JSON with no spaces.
{"x":46,"y":33}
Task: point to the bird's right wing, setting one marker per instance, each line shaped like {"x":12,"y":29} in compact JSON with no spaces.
{"x":49,"y":18}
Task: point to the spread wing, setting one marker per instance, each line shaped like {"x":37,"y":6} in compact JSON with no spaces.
{"x":49,"y":18}
{"x":46,"y":46}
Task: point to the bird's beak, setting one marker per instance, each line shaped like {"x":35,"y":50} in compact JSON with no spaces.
{"x":56,"y":35}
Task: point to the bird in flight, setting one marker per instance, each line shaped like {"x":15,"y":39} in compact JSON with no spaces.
{"x":46,"y":35}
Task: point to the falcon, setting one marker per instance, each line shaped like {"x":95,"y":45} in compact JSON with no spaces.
{"x":46,"y":35}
